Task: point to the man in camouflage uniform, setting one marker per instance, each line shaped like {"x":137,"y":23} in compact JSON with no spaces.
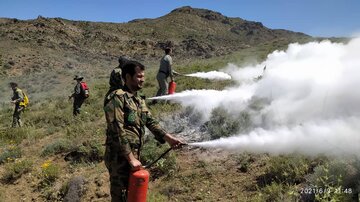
{"x":77,"y":95}
{"x":116,"y":81}
{"x":127,"y":115}
{"x":18,"y":96}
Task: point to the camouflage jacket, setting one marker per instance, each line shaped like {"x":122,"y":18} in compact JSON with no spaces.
{"x":116,"y":81}
{"x":126,"y":116}
{"x":18,"y":96}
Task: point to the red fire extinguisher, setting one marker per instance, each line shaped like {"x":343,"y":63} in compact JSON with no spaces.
{"x":172,"y":87}
{"x":138,"y":185}
{"x":139,"y":180}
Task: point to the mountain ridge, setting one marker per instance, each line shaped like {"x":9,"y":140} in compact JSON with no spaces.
{"x":194,"y":33}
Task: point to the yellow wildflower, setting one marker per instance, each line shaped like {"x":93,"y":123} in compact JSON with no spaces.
{"x":46,"y":164}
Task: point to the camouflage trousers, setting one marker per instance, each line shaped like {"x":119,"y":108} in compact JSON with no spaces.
{"x":16,"y":116}
{"x":119,"y":171}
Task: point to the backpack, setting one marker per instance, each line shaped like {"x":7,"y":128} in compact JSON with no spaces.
{"x":84,"y":90}
{"x":24,"y":103}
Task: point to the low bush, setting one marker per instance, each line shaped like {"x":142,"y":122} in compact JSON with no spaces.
{"x":57,"y":147}
{"x":49,"y":173}
{"x":224,"y":124}
{"x":15,"y":170}
{"x":288,"y":170}
{"x":157,"y":197}
{"x":244,"y":161}
{"x":277,"y":192}
{"x":10,"y":154}
{"x":78,"y":128}
{"x":17,"y":134}
{"x":340,"y":179}
{"x":7,"y":66}
{"x":89,"y":152}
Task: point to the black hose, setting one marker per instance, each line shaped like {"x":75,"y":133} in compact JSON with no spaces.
{"x":162,"y":155}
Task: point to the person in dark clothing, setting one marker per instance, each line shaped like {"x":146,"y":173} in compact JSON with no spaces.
{"x":116,"y":81}
{"x":165,"y":71}
{"x":77,"y":95}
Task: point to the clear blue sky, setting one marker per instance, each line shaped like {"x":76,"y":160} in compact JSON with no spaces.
{"x":313,"y":17}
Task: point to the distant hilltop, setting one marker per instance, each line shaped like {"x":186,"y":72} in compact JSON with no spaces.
{"x":194,"y":33}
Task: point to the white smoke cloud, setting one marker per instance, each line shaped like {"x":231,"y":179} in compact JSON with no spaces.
{"x":201,"y":98}
{"x":332,"y":138}
{"x":312,"y":99}
{"x":215,"y":75}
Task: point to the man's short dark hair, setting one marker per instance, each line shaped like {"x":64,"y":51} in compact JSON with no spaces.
{"x":13,"y":84}
{"x":129,"y":68}
{"x":167,"y":50}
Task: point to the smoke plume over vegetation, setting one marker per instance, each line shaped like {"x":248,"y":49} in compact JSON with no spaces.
{"x":306,"y":100}
{"x":211,"y":75}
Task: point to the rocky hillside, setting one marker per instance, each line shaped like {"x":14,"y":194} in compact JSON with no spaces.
{"x":43,"y":43}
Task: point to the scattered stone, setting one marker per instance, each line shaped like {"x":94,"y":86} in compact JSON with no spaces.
{"x":76,"y":189}
{"x":99,"y":182}
{"x":101,"y":194}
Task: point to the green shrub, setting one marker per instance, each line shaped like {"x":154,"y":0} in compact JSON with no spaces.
{"x":15,"y":170}
{"x":52,"y":113}
{"x":285,"y":169}
{"x":94,"y":150}
{"x":54,"y":193}
{"x":17,"y":134}
{"x":57,"y":147}
{"x":88,"y":152}
{"x":340,"y":177}
{"x":7,"y":66}
{"x":157,"y":197}
{"x":224,"y":124}
{"x":49,"y":173}
{"x":277,"y":192}
{"x":77,"y":129}
{"x":10,"y":154}
{"x":243,"y":161}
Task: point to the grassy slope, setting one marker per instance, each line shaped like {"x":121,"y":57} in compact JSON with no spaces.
{"x":50,"y":120}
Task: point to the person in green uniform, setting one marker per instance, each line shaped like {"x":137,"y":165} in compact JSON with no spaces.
{"x":17,"y":98}
{"x":116,"y":80}
{"x":127,"y":116}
